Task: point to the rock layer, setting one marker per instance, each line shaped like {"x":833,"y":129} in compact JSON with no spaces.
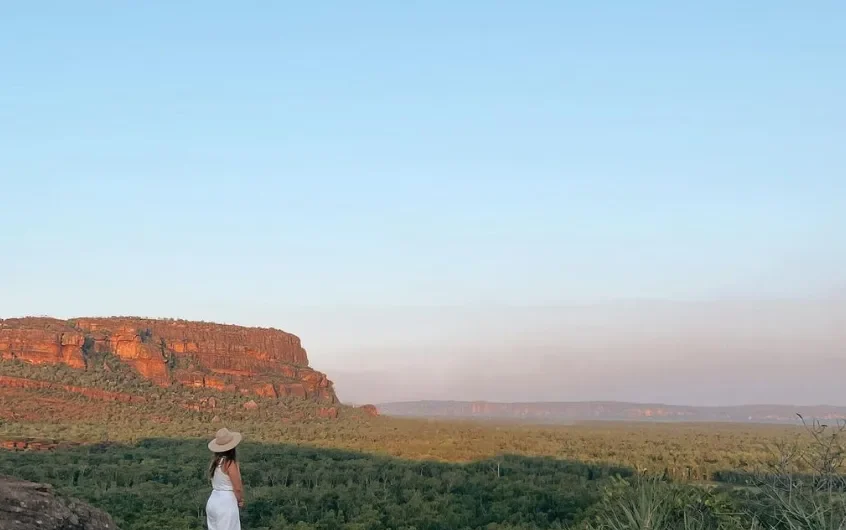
{"x":261,"y":361}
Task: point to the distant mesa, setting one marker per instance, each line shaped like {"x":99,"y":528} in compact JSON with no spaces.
{"x":255,"y":361}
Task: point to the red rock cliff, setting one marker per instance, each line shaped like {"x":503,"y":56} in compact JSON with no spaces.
{"x":262,"y":361}
{"x":41,"y":341}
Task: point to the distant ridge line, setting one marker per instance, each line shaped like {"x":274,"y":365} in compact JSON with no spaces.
{"x":570,"y":411}
{"x":609,"y":402}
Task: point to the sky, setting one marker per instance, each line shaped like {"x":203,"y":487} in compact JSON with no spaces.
{"x":445,"y":200}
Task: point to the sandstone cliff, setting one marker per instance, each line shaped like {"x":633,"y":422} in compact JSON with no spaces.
{"x":260,"y":361}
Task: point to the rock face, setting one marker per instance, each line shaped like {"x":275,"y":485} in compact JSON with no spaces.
{"x":260,"y":361}
{"x":41,"y":340}
{"x":29,"y":506}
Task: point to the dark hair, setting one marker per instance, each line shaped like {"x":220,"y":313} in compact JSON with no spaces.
{"x":222,"y":458}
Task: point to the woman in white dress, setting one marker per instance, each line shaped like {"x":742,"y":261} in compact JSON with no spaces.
{"x":228,"y":491}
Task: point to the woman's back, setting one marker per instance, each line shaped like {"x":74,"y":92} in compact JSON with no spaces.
{"x":220,"y":480}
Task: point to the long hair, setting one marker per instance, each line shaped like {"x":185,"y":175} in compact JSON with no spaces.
{"x":221,"y":459}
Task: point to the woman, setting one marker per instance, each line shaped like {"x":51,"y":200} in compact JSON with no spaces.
{"x":228,"y":495}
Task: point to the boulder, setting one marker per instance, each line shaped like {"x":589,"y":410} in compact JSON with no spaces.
{"x":30,"y":506}
{"x":370,"y":410}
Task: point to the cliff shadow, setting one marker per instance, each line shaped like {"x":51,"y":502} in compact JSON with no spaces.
{"x":165,"y":482}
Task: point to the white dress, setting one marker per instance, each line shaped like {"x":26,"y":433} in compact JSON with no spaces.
{"x":222,"y":506}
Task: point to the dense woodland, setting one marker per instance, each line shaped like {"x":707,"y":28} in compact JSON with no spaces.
{"x":680,"y":452}
{"x":158,"y":484}
{"x":161,"y":484}
{"x":144,"y":463}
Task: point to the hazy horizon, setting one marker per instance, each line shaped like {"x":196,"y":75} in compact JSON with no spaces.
{"x":504,"y":202}
{"x":694,"y":353}
{"x":699,"y":353}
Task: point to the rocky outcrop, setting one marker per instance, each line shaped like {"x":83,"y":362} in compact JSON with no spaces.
{"x":30,"y":506}
{"x":33,"y":445}
{"x":260,"y":361}
{"x":370,"y":410}
{"x":328,"y":412}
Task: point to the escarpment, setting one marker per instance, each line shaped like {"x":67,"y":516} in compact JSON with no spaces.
{"x":260,"y":361}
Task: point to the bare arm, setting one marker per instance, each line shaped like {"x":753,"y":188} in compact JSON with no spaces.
{"x":234,"y":472}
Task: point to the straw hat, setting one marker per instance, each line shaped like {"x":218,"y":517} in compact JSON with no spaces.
{"x":224,"y":440}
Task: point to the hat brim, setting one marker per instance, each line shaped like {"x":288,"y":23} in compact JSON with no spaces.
{"x":215,"y":447}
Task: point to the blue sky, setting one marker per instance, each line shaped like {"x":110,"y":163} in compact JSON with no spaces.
{"x":281,"y":164}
